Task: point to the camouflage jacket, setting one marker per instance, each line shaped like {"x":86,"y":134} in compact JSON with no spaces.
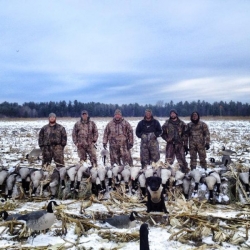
{"x":52,"y":135}
{"x":198,"y":133}
{"x":84,"y":133}
{"x":174,"y":132}
{"x":118,"y":133}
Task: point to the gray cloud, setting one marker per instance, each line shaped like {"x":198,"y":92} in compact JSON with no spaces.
{"x":124,"y":52}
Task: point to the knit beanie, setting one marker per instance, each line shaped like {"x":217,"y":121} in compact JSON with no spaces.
{"x":173,"y":110}
{"x":52,"y":114}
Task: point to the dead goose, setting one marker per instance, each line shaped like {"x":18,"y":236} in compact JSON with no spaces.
{"x":122,"y":221}
{"x":142,"y":182}
{"x":109,"y":175}
{"x":40,"y":220}
{"x":104,"y":155}
{"x":3,"y":176}
{"x":83,"y":171}
{"x":196,"y":175}
{"x":34,"y":154}
{"x":211,"y":180}
{"x":165,"y":175}
{"x":179,"y":177}
{"x":226,"y":160}
{"x":244,"y":177}
{"x":135,"y":172}
{"x":126,"y":176}
{"x":144,"y":237}
{"x":101,"y":173}
{"x":36,"y":176}
{"x":186,"y":185}
{"x":10,"y":182}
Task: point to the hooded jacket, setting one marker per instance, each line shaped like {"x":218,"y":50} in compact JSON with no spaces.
{"x":198,"y":131}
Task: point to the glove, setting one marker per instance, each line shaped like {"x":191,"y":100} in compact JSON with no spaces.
{"x":105,"y":146}
{"x":130,"y":146}
{"x":186,"y":149}
{"x":207,"y":146}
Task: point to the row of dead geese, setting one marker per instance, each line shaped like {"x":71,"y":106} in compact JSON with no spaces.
{"x":105,"y":177}
{"x":34,"y":181}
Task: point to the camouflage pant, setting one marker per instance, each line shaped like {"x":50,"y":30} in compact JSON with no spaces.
{"x":120,"y":155}
{"x":87,"y":150}
{"x":194,"y":149}
{"x":176,"y":150}
{"x":149,"y":151}
{"x":53,"y":152}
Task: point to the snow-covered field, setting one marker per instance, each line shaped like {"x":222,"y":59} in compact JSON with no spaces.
{"x":19,"y":137}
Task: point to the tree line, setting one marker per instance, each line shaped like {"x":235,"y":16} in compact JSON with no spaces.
{"x":97,"y":109}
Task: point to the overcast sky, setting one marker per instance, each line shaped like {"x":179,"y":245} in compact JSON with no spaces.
{"x":124,"y":51}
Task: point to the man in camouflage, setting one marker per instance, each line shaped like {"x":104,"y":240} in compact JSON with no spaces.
{"x":199,"y":140}
{"x":52,"y":140}
{"x":119,"y":134}
{"x":85,"y":135}
{"x":173,"y":132}
{"x":148,"y":130}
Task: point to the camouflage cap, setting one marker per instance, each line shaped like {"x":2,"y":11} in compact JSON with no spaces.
{"x":52,"y":114}
{"x":118,"y":111}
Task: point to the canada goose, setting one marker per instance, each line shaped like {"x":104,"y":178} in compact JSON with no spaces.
{"x":36,"y":176}
{"x":144,"y":237}
{"x":196,"y":175}
{"x":135,"y":172}
{"x":126,"y":174}
{"x":3,"y":176}
{"x":225,"y":151}
{"x":34,"y":154}
{"x":226,"y":160}
{"x":104,"y":155}
{"x":165,"y":174}
{"x":10,"y":182}
{"x":109,"y":175}
{"x":186,"y":185}
{"x":211,"y":180}
{"x":142,"y":182}
{"x":122,"y":221}
{"x":41,"y":219}
{"x":244,"y":177}
{"x":213,"y":162}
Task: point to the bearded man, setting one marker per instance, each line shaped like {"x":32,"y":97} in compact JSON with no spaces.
{"x":52,"y":140}
{"x":199,"y":140}
{"x":119,"y":134}
{"x":173,"y":132}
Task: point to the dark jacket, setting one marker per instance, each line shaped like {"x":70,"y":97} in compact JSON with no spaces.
{"x":146,"y":127}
